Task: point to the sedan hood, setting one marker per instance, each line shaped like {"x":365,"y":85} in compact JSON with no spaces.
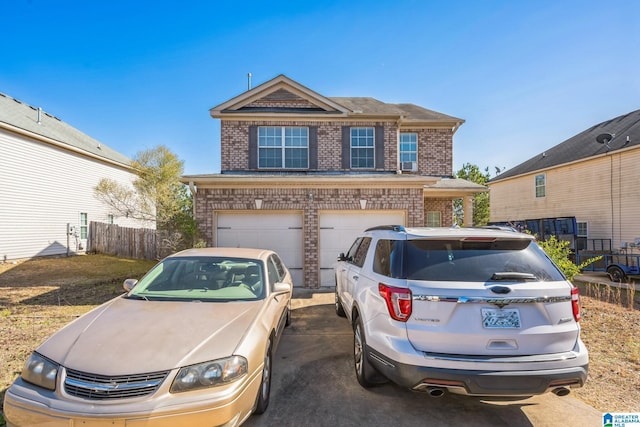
{"x":126,"y":336}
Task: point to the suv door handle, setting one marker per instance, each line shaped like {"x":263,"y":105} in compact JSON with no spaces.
{"x":355,"y":277}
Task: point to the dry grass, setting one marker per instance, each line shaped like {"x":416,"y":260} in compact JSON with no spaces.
{"x":39,"y":297}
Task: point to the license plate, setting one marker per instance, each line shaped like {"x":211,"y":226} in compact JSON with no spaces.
{"x":494,"y":318}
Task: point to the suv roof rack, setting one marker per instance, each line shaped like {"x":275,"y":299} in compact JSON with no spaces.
{"x":387,"y":227}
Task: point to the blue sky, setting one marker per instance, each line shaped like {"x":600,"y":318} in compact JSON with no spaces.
{"x":525,"y":75}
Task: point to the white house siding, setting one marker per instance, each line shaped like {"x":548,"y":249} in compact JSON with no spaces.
{"x":602,"y":191}
{"x":42,"y":189}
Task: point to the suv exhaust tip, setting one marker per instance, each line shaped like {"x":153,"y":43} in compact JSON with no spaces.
{"x":436,"y":392}
{"x":561,"y":391}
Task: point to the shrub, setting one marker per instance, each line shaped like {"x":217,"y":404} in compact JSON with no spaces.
{"x":560,"y":252}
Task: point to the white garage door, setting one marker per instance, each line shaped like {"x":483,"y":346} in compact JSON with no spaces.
{"x":338,"y":230}
{"x":278,"y":231}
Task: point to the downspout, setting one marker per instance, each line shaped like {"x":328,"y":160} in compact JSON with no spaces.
{"x":398,"y":165}
{"x":194,"y":192}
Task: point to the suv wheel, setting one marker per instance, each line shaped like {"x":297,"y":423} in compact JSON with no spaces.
{"x":365,"y":373}
{"x":339,"y":309}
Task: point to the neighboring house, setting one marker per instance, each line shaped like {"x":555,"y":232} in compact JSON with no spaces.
{"x":48,"y":171}
{"x":593,"y":176}
{"x":303,"y":174}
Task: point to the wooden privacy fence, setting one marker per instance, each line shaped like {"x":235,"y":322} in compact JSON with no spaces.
{"x":111,"y":239}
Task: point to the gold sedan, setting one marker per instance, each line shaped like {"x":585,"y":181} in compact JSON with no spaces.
{"x":191,"y":344}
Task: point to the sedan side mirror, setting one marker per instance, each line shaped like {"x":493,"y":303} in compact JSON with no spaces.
{"x":281,"y":287}
{"x":129,"y":284}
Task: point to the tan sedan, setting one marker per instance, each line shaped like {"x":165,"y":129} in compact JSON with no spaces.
{"x":191,"y":344}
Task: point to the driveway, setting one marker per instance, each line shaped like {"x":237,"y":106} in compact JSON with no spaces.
{"x":314,"y":384}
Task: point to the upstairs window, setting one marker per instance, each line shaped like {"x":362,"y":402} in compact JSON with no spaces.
{"x":283,"y":147}
{"x":362,"y":148}
{"x":408,"y":147}
{"x":541,"y":186}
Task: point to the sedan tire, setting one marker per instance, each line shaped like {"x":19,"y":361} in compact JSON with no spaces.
{"x":265,"y":385}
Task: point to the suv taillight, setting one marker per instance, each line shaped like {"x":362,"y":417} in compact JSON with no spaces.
{"x":398,"y":301}
{"x":575,"y":303}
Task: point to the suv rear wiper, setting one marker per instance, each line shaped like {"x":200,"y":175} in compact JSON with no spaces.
{"x":513,"y":275}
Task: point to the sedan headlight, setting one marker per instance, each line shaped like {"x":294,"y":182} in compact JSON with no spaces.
{"x":209,"y":374}
{"x":40,"y":371}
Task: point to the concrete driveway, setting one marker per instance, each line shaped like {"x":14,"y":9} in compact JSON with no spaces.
{"x":313,"y":384}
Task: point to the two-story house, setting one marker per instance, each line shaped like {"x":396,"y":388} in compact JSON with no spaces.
{"x":592,"y":178}
{"x":48,"y":171}
{"x":302,"y":173}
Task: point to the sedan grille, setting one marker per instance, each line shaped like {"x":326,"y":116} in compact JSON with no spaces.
{"x":100,"y":387}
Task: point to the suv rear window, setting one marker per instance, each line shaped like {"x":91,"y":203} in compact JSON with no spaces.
{"x":460,"y":260}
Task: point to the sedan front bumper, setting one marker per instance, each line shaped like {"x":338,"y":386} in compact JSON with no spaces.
{"x":27,"y":405}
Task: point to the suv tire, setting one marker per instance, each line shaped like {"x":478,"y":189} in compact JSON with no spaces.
{"x":365,"y":372}
{"x":339,"y":309}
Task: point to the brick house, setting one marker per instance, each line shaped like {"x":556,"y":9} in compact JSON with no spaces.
{"x":302,"y":174}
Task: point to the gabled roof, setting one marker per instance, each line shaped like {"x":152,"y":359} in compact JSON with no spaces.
{"x":626,"y":132}
{"x":19,"y":117}
{"x":283,"y":89}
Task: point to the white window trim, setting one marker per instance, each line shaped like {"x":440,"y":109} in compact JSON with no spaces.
{"x":283,"y":147}
{"x":372,"y":148}
{"x":434,"y":213}
{"x":400,"y":146}
{"x":543,"y":186}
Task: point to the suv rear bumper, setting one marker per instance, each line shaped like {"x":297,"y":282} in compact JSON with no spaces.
{"x":479,"y":382}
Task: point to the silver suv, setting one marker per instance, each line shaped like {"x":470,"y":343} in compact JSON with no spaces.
{"x":466,"y":310}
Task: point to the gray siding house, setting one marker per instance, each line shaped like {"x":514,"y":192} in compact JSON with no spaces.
{"x":48,"y":172}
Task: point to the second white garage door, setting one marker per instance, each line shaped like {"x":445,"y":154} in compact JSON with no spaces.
{"x":338,"y":230}
{"x":278,"y":231}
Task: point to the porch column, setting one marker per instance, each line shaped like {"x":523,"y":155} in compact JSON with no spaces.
{"x":467,"y":205}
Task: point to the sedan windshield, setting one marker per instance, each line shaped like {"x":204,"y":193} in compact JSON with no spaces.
{"x":202,"y":279}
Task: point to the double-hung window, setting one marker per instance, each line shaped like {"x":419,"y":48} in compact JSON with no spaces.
{"x":283,"y":147}
{"x":408,"y":147}
{"x":541,"y":186}
{"x":362,"y":148}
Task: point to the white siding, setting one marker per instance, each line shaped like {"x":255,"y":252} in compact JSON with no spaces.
{"x":42,"y":189}
{"x":604,"y":192}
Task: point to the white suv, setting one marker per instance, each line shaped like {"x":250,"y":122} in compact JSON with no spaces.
{"x":467,"y":310}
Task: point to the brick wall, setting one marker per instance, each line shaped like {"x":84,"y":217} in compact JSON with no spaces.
{"x":435,"y":147}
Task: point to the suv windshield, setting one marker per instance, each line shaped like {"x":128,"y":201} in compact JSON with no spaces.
{"x":202,"y":279}
{"x":464,"y":260}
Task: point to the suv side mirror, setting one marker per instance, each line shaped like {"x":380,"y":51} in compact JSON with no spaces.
{"x":342,"y":257}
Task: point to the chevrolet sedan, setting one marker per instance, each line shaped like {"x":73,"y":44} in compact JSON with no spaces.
{"x":191,"y":344}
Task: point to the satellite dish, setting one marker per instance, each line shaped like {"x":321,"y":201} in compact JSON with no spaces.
{"x":604,"y":138}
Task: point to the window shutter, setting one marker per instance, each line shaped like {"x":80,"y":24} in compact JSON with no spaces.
{"x":253,"y":147}
{"x":379,"y":160}
{"x":346,"y":147}
{"x":313,"y":147}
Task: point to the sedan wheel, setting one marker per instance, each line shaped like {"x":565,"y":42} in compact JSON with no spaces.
{"x":265,"y":385}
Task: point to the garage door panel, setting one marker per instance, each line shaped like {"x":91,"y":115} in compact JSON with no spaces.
{"x":280,"y":232}
{"x":338,"y":230}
